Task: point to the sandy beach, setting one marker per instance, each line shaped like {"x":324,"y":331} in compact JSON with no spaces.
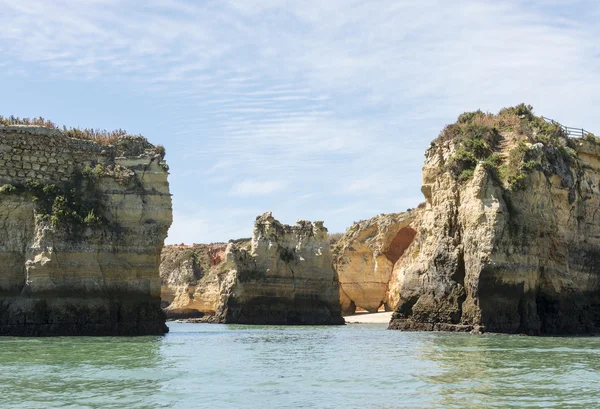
{"x":369,"y":318}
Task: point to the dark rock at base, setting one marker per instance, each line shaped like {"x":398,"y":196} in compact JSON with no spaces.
{"x":515,"y":252}
{"x":265,"y":311}
{"x":183,"y":314}
{"x":80,"y":317}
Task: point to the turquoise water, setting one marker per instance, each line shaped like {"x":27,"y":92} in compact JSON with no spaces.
{"x":355,"y":366}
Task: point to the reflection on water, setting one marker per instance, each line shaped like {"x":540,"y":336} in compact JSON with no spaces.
{"x":276,"y":367}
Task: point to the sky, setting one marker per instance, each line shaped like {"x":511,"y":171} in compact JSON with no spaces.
{"x":315,"y":109}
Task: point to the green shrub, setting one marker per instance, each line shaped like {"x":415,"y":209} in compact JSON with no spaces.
{"x":492,"y":164}
{"x":93,"y":173}
{"x":91,"y":219}
{"x":515,"y":170}
{"x":476,"y":136}
{"x":590,"y":137}
{"x":467,"y":117}
{"x":466,"y":175}
{"x":474,"y":143}
{"x":7,"y":189}
{"x":522,"y":111}
{"x":73,"y":205}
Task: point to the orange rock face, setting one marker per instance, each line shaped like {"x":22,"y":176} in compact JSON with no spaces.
{"x":365,"y":257}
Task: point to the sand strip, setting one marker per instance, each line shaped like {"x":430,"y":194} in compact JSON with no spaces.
{"x":367,"y":318}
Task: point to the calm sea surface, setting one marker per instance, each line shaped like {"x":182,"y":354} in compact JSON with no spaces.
{"x":355,"y":366}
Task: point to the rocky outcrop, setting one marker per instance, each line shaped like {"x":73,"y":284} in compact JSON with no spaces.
{"x":364,"y":259}
{"x":82,"y":226}
{"x":284,"y":275}
{"x":509,"y":240}
{"x":188,"y":286}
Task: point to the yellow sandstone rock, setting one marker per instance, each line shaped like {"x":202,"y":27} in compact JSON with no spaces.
{"x":283,"y":275}
{"x":365,"y":257}
{"x":82,"y":226}
{"x":509,"y":239}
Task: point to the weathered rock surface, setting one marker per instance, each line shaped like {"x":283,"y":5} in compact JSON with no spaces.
{"x":81,"y":231}
{"x":189,"y":289}
{"x":513,"y":245}
{"x":284,"y":275}
{"x":365,"y":257}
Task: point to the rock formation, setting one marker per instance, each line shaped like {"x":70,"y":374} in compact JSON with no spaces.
{"x":364,"y":259}
{"x":182,"y":269}
{"x":82,"y":228}
{"x":509,"y":240}
{"x":286,"y":277}
{"x":283,"y":275}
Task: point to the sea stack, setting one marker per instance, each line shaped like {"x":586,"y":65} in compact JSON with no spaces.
{"x":284,"y":275}
{"x":82,"y":228}
{"x":509,"y":238}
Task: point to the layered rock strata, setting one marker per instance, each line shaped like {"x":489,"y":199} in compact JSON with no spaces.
{"x":189,"y":289}
{"x":509,"y":240}
{"x":284,"y":275}
{"x":82,"y":226}
{"x":365,"y":257}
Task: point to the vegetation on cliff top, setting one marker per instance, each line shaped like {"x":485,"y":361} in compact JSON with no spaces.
{"x":503,"y":143}
{"x":101,"y":136}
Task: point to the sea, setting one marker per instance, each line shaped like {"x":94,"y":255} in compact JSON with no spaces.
{"x":351,"y":366}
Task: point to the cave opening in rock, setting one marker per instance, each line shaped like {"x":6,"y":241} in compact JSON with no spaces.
{"x":400,"y":243}
{"x":406,"y":306}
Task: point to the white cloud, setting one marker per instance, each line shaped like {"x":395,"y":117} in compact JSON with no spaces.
{"x":336,"y":98}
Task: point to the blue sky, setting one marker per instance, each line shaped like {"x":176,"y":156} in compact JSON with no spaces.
{"x":316,"y":110}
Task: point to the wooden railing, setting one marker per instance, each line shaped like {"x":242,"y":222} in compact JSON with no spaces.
{"x":572,"y":132}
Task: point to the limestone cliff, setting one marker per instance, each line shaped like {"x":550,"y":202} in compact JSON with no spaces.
{"x":82,"y":226}
{"x":509,"y":240}
{"x":286,"y":277}
{"x":188,"y":286}
{"x":283,"y":275}
{"x":364,"y":259}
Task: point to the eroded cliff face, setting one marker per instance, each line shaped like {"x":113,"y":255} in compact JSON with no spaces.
{"x":286,"y":277}
{"x":190,"y":287}
{"x":81,"y":231}
{"x":283,"y":275}
{"x":365,"y":257}
{"x":509,"y":240}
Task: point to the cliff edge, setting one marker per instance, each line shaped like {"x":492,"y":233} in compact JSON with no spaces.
{"x":82,"y":226}
{"x":509,"y":239}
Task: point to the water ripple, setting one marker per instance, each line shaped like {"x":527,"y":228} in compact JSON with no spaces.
{"x":358,"y":366}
